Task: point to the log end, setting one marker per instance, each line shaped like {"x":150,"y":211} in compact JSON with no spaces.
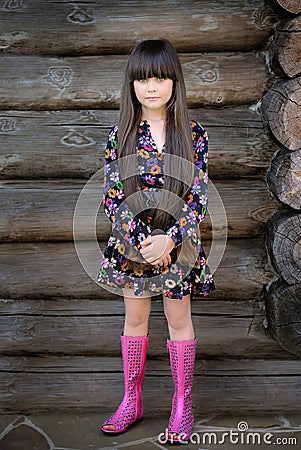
{"x":283,"y":311}
{"x":284,"y":178}
{"x":283,"y":241}
{"x":281,"y":112}
{"x":290,"y":6}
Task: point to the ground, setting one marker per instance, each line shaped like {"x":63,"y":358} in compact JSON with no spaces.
{"x":80,"y":431}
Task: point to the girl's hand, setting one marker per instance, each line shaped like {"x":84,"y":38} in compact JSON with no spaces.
{"x":163,"y":262}
{"x":155,"y":249}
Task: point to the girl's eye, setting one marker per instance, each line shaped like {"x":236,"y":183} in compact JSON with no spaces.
{"x":143,"y":80}
{"x":161,"y":79}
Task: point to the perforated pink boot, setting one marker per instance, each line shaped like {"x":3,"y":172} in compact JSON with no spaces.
{"x":131,"y":409}
{"x":182,"y":358}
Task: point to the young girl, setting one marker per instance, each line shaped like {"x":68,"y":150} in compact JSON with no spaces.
{"x":155,"y":194}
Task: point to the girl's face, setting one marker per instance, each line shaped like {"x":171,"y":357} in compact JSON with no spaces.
{"x":153,"y":93}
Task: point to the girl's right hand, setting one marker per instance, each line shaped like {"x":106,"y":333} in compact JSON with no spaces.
{"x":156,"y":249}
{"x":163,"y":262}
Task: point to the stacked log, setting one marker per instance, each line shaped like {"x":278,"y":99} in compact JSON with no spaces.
{"x":60,"y":79}
{"x":71,"y":143}
{"x":291,"y":6}
{"x":87,"y":28}
{"x":285,"y":51}
{"x":263,"y":383}
{"x":283,"y":309}
{"x":284,"y":178}
{"x":281,"y":112}
{"x":283,"y":242}
{"x":281,"y":108}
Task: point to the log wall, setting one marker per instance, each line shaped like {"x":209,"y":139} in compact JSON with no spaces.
{"x":281,"y":108}
{"x":94,"y":27}
{"x":61,"y":70}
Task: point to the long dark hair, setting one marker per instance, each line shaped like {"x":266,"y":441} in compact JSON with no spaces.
{"x":156,"y":58}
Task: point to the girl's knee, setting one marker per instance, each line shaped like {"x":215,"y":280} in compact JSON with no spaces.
{"x":178,"y":323}
{"x":137,"y":311}
{"x":136,"y":320}
{"x":176,"y":320}
{"x":178,"y":315}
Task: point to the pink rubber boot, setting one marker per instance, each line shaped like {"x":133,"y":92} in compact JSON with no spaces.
{"x":131,"y":408}
{"x":182,"y":358}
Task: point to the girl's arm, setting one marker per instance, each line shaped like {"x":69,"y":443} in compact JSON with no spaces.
{"x":134,"y":230}
{"x":198,"y":197}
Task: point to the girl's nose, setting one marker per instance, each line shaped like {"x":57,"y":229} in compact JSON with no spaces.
{"x":151,"y":86}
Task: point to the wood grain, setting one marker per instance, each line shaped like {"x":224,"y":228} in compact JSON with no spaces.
{"x":281,"y":108}
{"x":42,"y":82}
{"x":36,"y":385}
{"x":49,"y":210}
{"x":284,"y":178}
{"x":92,"y":327}
{"x":283,"y":243}
{"x":283,"y":309}
{"x":71,"y":144}
{"x":292,"y":6}
{"x":286,"y":46}
{"x":47,"y":269}
{"x":94,"y":27}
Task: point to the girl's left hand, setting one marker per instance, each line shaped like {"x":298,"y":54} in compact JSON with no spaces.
{"x":155,"y":249}
{"x":163,"y":262}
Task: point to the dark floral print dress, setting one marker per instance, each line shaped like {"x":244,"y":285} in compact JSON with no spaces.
{"x":128,"y":231}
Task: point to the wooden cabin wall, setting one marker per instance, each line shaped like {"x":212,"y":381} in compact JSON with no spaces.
{"x":281,"y":108}
{"x":61,"y":72}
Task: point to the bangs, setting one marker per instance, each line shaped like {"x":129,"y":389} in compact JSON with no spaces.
{"x":153,"y":59}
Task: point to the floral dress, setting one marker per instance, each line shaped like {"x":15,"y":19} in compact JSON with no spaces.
{"x":128,"y":230}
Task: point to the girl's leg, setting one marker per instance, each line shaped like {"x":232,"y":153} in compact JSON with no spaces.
{"x":134,"y":340}
{"x":178,"y":315}
{"x":182,"y":349}
{"x":137,"y":311}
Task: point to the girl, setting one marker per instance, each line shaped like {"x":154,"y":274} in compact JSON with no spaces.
{"x":155,"y":245}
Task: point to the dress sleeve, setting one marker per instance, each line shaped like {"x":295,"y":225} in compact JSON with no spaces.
{"x":194,"y":210}
{"x":133,"y":229}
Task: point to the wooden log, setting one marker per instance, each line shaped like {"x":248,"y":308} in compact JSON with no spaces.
{"x":283,"y":178}
{"x":92,"y":327}
{"x":285,"y":50}
{"x":71,"y":144}
{"x":60,"y":28}
{"x":281,"y":112}
{"x":292,"y":6}
{"x":35,"y":385}
{"x":155,"y":365}
{"x":95,"y":81}
{"x":47,"y":210}
{"x":283,"y":309}
{"x":47,"y":269}
{"x":283,"y":243}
